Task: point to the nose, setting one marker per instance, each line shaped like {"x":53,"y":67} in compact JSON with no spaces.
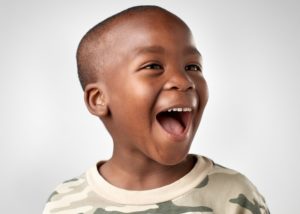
{"x":179,"y":80}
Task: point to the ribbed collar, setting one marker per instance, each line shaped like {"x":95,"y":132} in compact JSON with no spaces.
{"x":153,"y":196}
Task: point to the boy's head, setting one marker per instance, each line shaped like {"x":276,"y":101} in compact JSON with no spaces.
{"x":142,"y":75}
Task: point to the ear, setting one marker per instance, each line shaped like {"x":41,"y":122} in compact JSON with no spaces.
{"x":95,"y":100}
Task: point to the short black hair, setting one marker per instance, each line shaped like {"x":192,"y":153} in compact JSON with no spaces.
{"x":91,"y":43}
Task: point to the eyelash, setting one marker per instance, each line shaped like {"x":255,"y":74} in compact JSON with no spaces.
{"x":187,"y":67}
{"x":196,"y":67}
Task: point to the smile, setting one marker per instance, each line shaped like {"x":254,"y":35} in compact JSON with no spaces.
{"x":175,"y":120}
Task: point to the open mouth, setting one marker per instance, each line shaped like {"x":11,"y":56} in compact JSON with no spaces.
{"x":174,"y":120}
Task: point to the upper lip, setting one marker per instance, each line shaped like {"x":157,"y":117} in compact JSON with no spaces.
{"x":173,"y":100}
{"x":177,"y":102}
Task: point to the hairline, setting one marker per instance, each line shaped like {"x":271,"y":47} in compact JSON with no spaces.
{"x":92,"y":40}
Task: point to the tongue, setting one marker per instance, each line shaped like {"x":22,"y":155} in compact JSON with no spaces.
{"x":171,"y":125}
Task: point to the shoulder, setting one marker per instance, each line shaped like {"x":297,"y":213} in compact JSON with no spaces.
{"x":234,"y":191}
{"x":68,"y":187}
{"x":65,"y":193}
{"x":220,"y":175}
{"x":223,"y":177}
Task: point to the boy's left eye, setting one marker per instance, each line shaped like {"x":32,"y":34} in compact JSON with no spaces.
{"x":193,"y":67}
{"x":153,"y":66}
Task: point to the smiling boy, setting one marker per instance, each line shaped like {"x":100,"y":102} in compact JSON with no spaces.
{"x":142,"y":76}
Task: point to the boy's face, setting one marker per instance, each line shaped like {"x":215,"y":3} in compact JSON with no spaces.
{"x":153,"y":66}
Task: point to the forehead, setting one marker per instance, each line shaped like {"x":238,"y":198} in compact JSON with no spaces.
{"x":157,"y":31}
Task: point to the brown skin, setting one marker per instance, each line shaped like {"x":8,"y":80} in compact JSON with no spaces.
{"x":153,"y":66}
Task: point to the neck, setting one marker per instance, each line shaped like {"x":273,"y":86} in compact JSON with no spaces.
{"x":134,"y":172}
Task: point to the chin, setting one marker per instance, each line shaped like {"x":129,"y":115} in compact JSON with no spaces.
{"x":171,"y":159}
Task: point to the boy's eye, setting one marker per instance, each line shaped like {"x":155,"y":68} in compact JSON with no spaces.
{"x":193,"y":67}
{"x":153,"y":66}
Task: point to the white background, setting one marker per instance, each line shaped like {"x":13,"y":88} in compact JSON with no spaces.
{"x":251,"y":61}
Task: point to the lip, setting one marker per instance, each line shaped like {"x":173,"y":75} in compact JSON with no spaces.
{"x":190,"y":116}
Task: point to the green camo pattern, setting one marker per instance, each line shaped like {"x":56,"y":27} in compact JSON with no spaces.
{"x":223,"y":191}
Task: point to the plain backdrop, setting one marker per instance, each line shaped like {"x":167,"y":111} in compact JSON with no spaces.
{"x":251,"y":123}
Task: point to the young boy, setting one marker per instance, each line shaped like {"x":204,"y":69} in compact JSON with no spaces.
{"x":142,"y":76}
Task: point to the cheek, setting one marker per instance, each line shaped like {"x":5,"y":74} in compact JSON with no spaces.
{"x":134,"y":99}
{"x":202,"y":90}
{"x":143,"y":91}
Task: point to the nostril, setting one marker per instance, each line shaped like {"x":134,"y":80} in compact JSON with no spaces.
{"x":179,"y":80}
{"x":180,"y":85}
{"x":184,"y":88}
{"x":190,"y":86}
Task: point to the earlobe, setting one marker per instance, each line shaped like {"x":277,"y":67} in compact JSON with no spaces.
{"x":95,"y":100}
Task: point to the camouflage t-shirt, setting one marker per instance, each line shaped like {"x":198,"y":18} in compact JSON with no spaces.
{"x":207,"y":188}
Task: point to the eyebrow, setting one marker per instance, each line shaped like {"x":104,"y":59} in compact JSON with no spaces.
{"x":149,"y":49}
{"x":190,"y":50}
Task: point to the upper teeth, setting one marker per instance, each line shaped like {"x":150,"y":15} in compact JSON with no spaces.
{"x":180,"y":109}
